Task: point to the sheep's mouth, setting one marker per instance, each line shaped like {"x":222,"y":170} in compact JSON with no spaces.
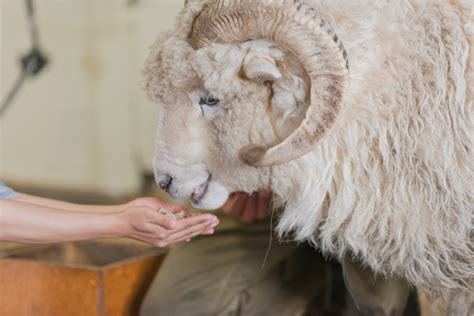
{"x":199,"y":193}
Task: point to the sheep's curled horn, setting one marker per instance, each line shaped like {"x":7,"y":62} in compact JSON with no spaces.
{"x":296,"y":26}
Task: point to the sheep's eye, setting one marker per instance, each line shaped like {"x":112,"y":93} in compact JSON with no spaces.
{"x":208,"y":100}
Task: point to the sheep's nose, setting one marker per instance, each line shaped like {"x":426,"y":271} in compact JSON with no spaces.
{"x":165,"y":183}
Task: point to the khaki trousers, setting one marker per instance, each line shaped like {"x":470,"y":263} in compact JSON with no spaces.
{"x":225,"y":274}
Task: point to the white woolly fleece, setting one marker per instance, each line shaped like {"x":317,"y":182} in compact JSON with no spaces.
{"x":392,"y":183}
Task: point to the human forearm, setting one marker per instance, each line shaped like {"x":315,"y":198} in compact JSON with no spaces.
{"x":67,"y":206}
{"x":26,"y":222}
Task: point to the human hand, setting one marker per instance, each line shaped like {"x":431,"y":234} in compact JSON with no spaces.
{"x":248,"y":208}
{"x":155,"y":204}
{"x":145,"y":223}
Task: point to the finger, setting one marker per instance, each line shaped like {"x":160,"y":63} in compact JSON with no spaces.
{"x":188,"y":222}
{"x":188,"y":238}
{"x":154,"y":203}
{"x":250,"y":209}
{"x":181,"y":214}
{"x":155,"y":217}
{"x":173,"y":207}
{"x":162,"y":238}
{"x":177,"y":208}
{"x":190,"y":232}
{"x":229,"y":204}
{"x":170,"y":222}
{"x":208,"y":232}
{"x":150,"y":239}
{"x":263,"y":204}
{"x":165,"y":221}
{"x":237,"y":208}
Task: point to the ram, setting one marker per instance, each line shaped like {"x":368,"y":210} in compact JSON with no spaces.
{"x":357,"y":115}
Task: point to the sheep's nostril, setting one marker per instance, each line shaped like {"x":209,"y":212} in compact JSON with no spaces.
{"x":165,"y":183}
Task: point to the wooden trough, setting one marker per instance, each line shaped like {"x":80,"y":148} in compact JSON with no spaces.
{"x":79,"y":278}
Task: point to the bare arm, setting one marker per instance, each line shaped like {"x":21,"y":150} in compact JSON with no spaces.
{"x":25,"y":222}
{"x":22,"y":221}
{"x":67,"y":206}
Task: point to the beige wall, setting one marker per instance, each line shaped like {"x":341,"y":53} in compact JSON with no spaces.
{"x":85,"y":122}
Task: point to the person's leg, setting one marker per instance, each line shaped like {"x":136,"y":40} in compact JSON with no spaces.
{"x":461,"y":303}
{"x":224,"y":275}
{"x":430,"y":306}
{"x":373,"y":294}
{"x":457,"y":304}
{"x":291,"y":286}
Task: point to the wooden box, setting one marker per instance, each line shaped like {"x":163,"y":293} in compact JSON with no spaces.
{"x":80,"y":278}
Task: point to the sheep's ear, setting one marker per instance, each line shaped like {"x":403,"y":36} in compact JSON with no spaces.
{"x":260,"y":67}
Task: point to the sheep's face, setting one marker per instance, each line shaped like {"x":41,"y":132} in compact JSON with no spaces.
{"x":215,"y":101}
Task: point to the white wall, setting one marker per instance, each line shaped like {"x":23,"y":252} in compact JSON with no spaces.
{"x":84,"y":123}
